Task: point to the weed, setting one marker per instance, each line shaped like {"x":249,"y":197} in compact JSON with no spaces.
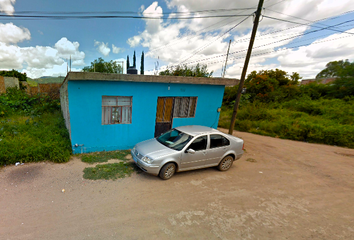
{"x":110,"y":171}
{"x":251,"y":160}
{"x":31,"y":129}
{"x":328,"y":121}
{"x":104,"y":156}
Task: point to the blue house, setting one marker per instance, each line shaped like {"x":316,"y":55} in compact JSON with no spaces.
{"x":105,"y":112}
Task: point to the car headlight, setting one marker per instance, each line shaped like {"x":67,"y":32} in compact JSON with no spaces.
{"x":146,"y":159}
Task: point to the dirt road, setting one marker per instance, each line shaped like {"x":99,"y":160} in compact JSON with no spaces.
{"x":279,"y":189}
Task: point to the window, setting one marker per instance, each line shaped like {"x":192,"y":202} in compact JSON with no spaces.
{"x":185,"y":107}
{"x":199,"y":144}
{"x":217,"y":140}
{"x":116,"y":110}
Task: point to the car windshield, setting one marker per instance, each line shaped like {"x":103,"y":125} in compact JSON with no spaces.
{"x":174,"y":139}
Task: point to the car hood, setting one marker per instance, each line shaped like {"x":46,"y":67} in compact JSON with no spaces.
{"x":153,"y":149}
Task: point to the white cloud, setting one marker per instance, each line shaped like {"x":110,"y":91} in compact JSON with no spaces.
{"x":116,"y":50}
{"x":10,"y":57}
{"x":103,"y":48}
{"x":173,"y":41}
{"x":7,"y":6}
{"x":9,"y":33}
{"x":67,"y":49}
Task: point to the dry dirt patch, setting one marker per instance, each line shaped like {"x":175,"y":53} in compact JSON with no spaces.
{"x":292,"y":190}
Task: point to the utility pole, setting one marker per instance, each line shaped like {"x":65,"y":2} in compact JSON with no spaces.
{"x":244,"y":70}
{"x":227,"y":56}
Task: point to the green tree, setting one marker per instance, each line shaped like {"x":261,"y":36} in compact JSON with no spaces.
{"x":99,"y":65}
{"x":142,"y":64}
{"x":196,"y":71}
{"x":14,"y":73}
{"x":134,"y":60}
{"x":337,"y":69}
{"x":272,"y":85}
{"x":128,"y":63}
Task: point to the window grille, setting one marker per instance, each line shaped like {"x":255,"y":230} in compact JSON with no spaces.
{"x":185,"y":107}
{"x":116,"y":110}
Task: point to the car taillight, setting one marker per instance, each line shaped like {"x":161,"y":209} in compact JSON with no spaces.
{"x":243,"y":147}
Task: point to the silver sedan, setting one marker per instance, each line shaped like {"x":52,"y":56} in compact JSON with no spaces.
{"x":187,"y":148}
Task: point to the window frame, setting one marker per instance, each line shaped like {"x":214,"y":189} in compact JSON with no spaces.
{"x":110,"y":121}
{"x":197,"y":137}
{"x":216,"y":134}
{"x":177,"y":109}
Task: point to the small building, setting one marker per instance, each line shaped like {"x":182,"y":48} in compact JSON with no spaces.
{"x":105,"y":112}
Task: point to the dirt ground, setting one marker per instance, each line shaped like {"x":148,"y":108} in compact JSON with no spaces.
{"x":279,"y":189}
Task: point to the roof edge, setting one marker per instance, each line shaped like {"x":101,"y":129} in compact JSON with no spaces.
{"x":95,"y":76}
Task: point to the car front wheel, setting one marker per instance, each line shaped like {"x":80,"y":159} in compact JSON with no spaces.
{"x":167,"y":171}
{"x":226,"y":163}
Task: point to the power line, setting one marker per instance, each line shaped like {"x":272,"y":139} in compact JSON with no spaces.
{"x":129,"y":12}
{"x":298,"y":24}
{"x":205,"y":46}
{"x":64,"y":17}
{"x":267,"y":44}
{"x":308,"y":24}
{"x":181,"y":40}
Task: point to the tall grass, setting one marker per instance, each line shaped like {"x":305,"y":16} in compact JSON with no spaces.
{"x":328,"y":121}
{"x":32,"y":129}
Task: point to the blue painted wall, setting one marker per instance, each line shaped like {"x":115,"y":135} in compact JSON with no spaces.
{"x":85,"y":107}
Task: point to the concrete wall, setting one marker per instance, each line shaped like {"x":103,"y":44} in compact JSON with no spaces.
{"x":7,"y":82}
{"x":50,"y":89}
{"x":85,"y":111}
{"x":64,"y":103}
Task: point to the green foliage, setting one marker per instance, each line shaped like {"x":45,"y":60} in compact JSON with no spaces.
{"x":99,"y":65}
{"x":35,"y":138}
{"x":142,"y":64}
{"x":271,"y":85}
{"x":14,"y":73}
{"x":31,"y":129}
{"x":276,"y":106}
{"x":110,"y":171}
{"x":17,"y":102}
{"x":337,"y":69}
{"x":303,"y":119}
{"x":196,"y":71}
{"x":134,"y":60}
{"x":103,"y":156}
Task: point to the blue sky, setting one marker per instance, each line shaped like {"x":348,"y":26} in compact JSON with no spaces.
{"x":40,"y":47}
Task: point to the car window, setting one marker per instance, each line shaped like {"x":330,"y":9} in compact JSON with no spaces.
{"x":199,"y":144}
{"x":217,"y":140}
{"x":174,"y":139}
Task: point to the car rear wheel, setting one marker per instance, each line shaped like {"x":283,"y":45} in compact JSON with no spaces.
{"x":167,"y":171}
{"x":226,"y":163}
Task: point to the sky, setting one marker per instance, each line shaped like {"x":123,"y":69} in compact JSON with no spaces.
{"x":38,"y":37}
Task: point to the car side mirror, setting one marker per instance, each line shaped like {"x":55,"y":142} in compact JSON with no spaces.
{"x":190,"y":151}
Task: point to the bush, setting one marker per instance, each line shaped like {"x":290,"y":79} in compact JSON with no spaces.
{"x":317,"y":121}
{"x":31,"y":129}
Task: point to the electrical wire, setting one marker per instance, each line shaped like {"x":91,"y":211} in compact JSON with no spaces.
{"x":308,"y":24}
{"x":274,"y":42}
{"x":205,"y":46}
{"x":64,"y":17}
{"x":130,"y":12}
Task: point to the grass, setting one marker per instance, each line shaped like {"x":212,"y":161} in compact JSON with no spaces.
{"x":111,"y":171}
{"x":32,"y":129}
{"x":34,"y":138}
{"x":108,"y":171}
{"x":327,"y":121}
{"x":99,"y":157}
